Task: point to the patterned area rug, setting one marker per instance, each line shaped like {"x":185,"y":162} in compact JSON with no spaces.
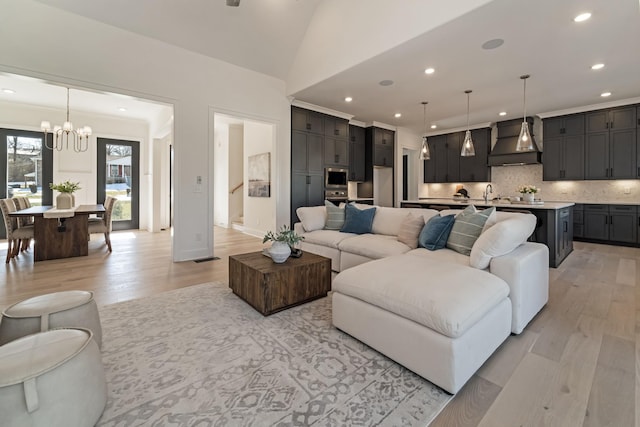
{"x":200,"y":356}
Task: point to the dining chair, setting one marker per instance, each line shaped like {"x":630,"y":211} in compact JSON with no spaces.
{"x":15,"y":234}
{"x":23,"y":203}
{"x":103,"y":225}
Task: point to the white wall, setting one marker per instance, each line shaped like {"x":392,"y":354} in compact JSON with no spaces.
{"x":236,"y":170}
{"x":408,"y":141}
{"x":221,"y":175}
{"x":259,"y":212}
{"x":109,"y":58}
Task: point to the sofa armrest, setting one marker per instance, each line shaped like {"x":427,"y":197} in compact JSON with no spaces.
{"x":298,"y":228}
{"x":526,"y":271}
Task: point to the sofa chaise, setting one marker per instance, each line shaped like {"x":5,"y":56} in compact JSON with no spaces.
{"x":439,"y":313}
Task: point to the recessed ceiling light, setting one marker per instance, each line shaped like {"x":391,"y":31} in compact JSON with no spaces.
{"x":7,"y":90}
{"x":429,"y":70}
{"x":597,"y":66}
{"x":492,"y":44}
{"x":348,"y":99}
{"x":122,"y":109}
{"x":386,"y":83}
{"x":502,"y":113}
{"x":433,"y":126}
{"x":582,"y":17}
{"x":605,"y":94}
{"x":397,"y":115}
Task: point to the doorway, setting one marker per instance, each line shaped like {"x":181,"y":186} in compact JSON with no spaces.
{"x":119,"y":176}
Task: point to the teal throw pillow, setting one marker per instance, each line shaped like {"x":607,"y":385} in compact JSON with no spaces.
{"x":436,"y":231}
{"x":358,"y":221}
{"x":467,"y":228}
{"x":335,"y":216}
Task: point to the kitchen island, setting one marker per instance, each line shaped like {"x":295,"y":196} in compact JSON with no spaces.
{"x":554,"y":227}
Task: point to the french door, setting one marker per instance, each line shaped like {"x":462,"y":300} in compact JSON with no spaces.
{"x":26,"y":168}
{"x":119,"y":176}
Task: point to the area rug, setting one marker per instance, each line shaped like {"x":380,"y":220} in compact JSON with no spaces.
{"x":200,"y":356}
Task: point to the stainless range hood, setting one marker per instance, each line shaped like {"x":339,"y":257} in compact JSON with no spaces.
{"x":504,"y":152}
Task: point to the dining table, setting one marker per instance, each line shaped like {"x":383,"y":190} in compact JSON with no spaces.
{"x":60,"y":233}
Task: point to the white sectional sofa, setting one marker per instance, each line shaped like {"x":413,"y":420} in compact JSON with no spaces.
{"x":439,"y":313}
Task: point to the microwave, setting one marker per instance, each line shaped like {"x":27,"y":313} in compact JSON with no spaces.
{"x":335,"y":178}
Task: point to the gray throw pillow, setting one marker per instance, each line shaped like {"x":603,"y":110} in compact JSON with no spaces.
{"x":467,"y":228}
{"x":335,"y":216}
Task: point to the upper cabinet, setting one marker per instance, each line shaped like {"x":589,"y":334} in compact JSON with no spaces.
{"x":381,"y":142}
{"x":446,"y":164}
{"x":336,"y":127}
{"x":611,"y":146}
{"x":598,"y":145}
{"x":307,"y":120}
{"x":356,"y":153}
{"x":563,"y":155}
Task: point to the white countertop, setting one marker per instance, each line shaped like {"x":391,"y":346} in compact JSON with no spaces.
{"x":481,"y":202}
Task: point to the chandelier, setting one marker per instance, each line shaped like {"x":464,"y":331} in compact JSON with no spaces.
{"x":65,"y":136}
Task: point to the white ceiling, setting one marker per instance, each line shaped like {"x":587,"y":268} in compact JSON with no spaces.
{"x":540,"y":37}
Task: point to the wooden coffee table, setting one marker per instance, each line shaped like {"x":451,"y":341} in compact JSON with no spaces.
{"x":269,"y":287}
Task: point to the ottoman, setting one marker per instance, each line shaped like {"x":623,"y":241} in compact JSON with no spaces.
{"x":66,"y":309}
{"x":52,"y":378}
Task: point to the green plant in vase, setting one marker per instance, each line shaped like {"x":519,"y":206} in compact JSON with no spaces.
{"x":284,"y":242}
{"x":66,"y":199}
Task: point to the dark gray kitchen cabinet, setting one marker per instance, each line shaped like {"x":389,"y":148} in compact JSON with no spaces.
{"x":596,"y":222}
{"x":307,"y":171}
{"x":454,"y":144}
{"x":306,"y":190}
{"x":336,"y":152}
{"x":356,"y":153}
{"x":563,"y":158}
{"x":430,"y":166}
{"x":611,"y":155}
{"x":614,"y":223}
{"x":336,"y":127}
{"x":307,"y":153}
{"x":610,"y":119}
{"x":622,"y":223}
{"x":564,"y":148}
{"x":555,"y":127}
{"x":307,"y":120}
{"x":578,"y":220}
{"x":475,"y":168}
{"x":381,"y":142}
{"x":563,"y":234}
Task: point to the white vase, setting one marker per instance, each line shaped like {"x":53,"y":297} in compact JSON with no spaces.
{"x":279,"y":252}
{"x":527,"y":197}
{"x":64,"y":201}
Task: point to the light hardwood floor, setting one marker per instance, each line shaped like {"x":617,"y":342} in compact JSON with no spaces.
{"x":574,"y":365}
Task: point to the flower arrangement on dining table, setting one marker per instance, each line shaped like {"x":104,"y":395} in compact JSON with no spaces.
{"x":66,"y":187}
{"x":528,"y":189}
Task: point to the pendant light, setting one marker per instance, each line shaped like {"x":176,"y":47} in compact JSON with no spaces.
{"x":525,"y":142}
{"x":468,"y":149}
{"x":425,"y":154}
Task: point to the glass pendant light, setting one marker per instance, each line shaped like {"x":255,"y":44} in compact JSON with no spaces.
{"x":525,"y":142}
{"x":425,"y":154}
{"x":468,"y":150}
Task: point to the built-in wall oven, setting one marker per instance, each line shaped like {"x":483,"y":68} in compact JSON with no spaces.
{"x":335,"y":178}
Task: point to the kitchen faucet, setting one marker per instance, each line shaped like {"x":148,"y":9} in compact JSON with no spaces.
{"x":488,"y":190}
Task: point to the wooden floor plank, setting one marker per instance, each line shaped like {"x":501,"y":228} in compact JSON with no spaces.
{"x":499,"y":368}
{"x":470,"y":404}
{"x":520,"y":400}
{"x":612,"y":398}
{"x":626,"y":274}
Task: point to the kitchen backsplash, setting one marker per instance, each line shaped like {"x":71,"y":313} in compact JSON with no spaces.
{"x":506,"y":179}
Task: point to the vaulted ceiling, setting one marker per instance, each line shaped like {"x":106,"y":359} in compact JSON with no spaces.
{"x":540,"y":39}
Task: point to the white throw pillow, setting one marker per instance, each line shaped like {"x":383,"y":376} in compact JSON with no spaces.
{"x":502,"y":238}
{"x":312,"y":217}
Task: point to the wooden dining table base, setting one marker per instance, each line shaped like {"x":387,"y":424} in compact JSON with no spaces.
{"x":64,"y":237}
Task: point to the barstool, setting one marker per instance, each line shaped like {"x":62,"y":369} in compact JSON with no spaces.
{"x":67,"y":309}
